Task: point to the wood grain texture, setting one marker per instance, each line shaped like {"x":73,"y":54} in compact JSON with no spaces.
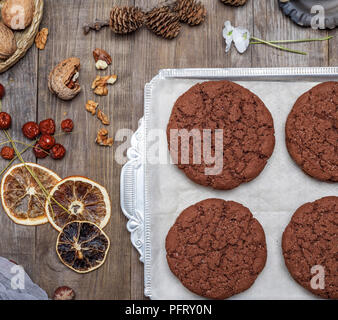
{"x":136,"y":59}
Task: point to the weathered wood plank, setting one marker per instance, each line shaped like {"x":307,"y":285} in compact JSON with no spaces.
{"x":271,"y":24}
{"x":333,"y":49}
{"x":84,"y":157}
{"x":18,"y":242}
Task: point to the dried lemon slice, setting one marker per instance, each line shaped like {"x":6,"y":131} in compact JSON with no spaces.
{"x":22,"y":198}
{"x":82,"y":246}
{"x":84,"y":199}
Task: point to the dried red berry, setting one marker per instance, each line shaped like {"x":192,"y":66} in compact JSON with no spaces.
{"x":39,"y":152}
{"x":47,"y":126}
{"x":7,"y":153}
{"x":30,"y":130}
{"x":64,"y":293}
{"x":67,"y":125}
{"x":5,"y":120}
{"x":58,"y":151}
{"x":2,"y":91}
{"x":46,"y":141}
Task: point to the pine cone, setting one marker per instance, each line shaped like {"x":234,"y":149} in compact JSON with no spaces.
{"x":234,"y":2}
{"x":126,"y":19}
{"x":163,"y":22}
{"x":190,"y":11}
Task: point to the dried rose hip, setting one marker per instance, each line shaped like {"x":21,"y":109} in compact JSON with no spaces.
{"x":47,"y":126}
{"x":58,"y":151}
{"x":30,"y":130}
{"x":2,"y":91}
{"x":67,"y":125}
{"x":39,"y":152}
{"x":5,"y":120}
{"x":46,"y":141}
{"x":7,"y":153}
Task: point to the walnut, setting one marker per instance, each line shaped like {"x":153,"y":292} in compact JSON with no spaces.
{"x":99,"y":85}
{"x":102,"y":138}
{"x":91,"y":106}
{"x":104,"y":119}
{"x":41,"y":38}
{"x":18,"y":14}
{"x":7,"y":42}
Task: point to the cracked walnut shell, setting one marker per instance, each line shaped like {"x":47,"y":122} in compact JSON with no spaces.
{"x":63,"y":79}
{"x":41,"y":39}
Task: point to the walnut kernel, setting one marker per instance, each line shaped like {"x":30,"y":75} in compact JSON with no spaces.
{"x":91,"y":106}
{"x":100,"y":54}
{"x":41,"y":39}
{"x":104,"y":119}
{"x":99,"y":85}
{"x":102,"y":138}
{"x":101,"y":65}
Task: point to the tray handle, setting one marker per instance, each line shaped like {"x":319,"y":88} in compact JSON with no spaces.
{"x":132,"y":190}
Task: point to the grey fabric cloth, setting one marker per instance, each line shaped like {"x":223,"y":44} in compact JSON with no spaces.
{"x":15,"y":284}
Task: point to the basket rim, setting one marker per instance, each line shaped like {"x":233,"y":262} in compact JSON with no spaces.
{"x":24,"y":42}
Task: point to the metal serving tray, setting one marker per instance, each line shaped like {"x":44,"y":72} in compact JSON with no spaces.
{"x":134,"y":188}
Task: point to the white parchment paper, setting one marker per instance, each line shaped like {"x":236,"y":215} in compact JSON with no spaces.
{"x":272,"y":197}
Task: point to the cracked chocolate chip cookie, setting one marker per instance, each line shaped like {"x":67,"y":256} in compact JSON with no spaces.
{"x":216,"y":248}
{"x":310,"y":247}
{"x":231,"y":134}
{"x":312,"y":132}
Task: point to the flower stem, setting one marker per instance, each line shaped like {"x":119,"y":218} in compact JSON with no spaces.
{"x":278,"y":47}
{"x":294,"y":41}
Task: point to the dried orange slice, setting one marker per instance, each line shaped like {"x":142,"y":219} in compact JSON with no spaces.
{"x":21,"y":196}
{"x":83,"y":199}
{"x":82,"y":246}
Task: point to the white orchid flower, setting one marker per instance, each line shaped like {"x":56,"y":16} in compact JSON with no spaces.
{"x":241,"y":39}
{"x":228,"y":34}
{"x":238,"y":35}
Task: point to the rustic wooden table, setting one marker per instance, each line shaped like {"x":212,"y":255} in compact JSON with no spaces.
{"x":136,"y":59}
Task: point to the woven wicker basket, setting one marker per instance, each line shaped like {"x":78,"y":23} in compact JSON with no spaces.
{"x":24,"y":38}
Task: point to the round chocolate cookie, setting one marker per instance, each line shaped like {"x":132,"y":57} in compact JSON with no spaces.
{"x":216,"y":248}
{"x":310,"y":247}
{"x":241,"y":134}
{"x":312,"y":132}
